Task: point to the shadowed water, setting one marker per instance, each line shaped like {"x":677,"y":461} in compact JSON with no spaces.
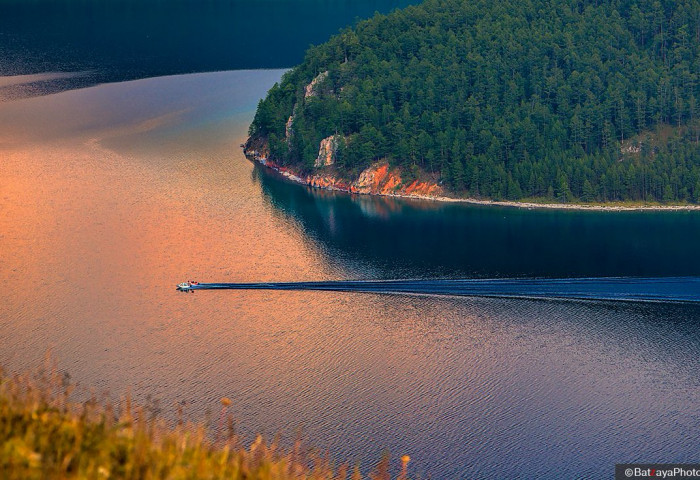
{"x":395,"y":238}
{"x":118,"y":40}
{"x":111,"y":195}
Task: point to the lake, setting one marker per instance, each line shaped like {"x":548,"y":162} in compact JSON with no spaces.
{"x":113,"y":194}
{"x":115,"y":40}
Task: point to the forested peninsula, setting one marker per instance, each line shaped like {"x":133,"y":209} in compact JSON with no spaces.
{"x":568,"y":101}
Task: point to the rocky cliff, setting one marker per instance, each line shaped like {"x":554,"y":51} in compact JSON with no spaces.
{"x":327,"y":151}
{"x":377,"y":179}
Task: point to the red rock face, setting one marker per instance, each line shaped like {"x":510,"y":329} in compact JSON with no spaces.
{"x":327,"y":182}
{"x":423,"y":189}
{"x":377,"y":179}
{"x":380,"y":179}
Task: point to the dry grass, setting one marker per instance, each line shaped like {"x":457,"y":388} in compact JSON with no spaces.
{"x":44,"y":435}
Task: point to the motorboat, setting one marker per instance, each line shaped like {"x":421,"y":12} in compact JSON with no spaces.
{"x":187,"y":286}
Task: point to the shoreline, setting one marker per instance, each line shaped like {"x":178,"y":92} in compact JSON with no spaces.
{"x":294,"y":177}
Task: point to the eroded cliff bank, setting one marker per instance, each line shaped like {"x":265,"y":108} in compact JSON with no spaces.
{"x":377,"y":179}
{"x":382,"y":179}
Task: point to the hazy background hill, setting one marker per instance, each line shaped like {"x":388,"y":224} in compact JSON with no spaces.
{"x":126,"y":39}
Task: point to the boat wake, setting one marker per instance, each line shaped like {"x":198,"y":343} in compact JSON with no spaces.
{"x":631,"y":289}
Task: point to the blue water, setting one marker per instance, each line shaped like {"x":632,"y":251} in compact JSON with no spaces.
{"x":469,"y":386}
{"x":389,"y":238}
{"x":113,"y":194}
{"x":116,"y":40}
{"x":666,"y":290}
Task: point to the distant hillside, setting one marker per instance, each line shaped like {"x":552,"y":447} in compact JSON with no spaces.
{"x":573,"y":100}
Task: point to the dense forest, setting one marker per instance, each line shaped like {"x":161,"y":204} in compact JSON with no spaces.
{"x":573,"y":100}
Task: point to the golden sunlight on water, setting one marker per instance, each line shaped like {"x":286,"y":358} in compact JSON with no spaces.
{"x":111,"y":195}
{"x":95,"y":237}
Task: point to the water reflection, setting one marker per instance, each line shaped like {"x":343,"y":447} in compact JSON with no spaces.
{"x":396,"y":238}
{"x":107,"y":203}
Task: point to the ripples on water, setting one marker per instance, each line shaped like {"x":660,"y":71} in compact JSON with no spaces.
{"x":14,"y":87}
{"x":628,"y":289}
{"x":111,"y":195}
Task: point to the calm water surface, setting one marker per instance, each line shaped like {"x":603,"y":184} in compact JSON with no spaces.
{"x":111,"y":195}
{"x":114,"y":40}
{"x":399,"y":238}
